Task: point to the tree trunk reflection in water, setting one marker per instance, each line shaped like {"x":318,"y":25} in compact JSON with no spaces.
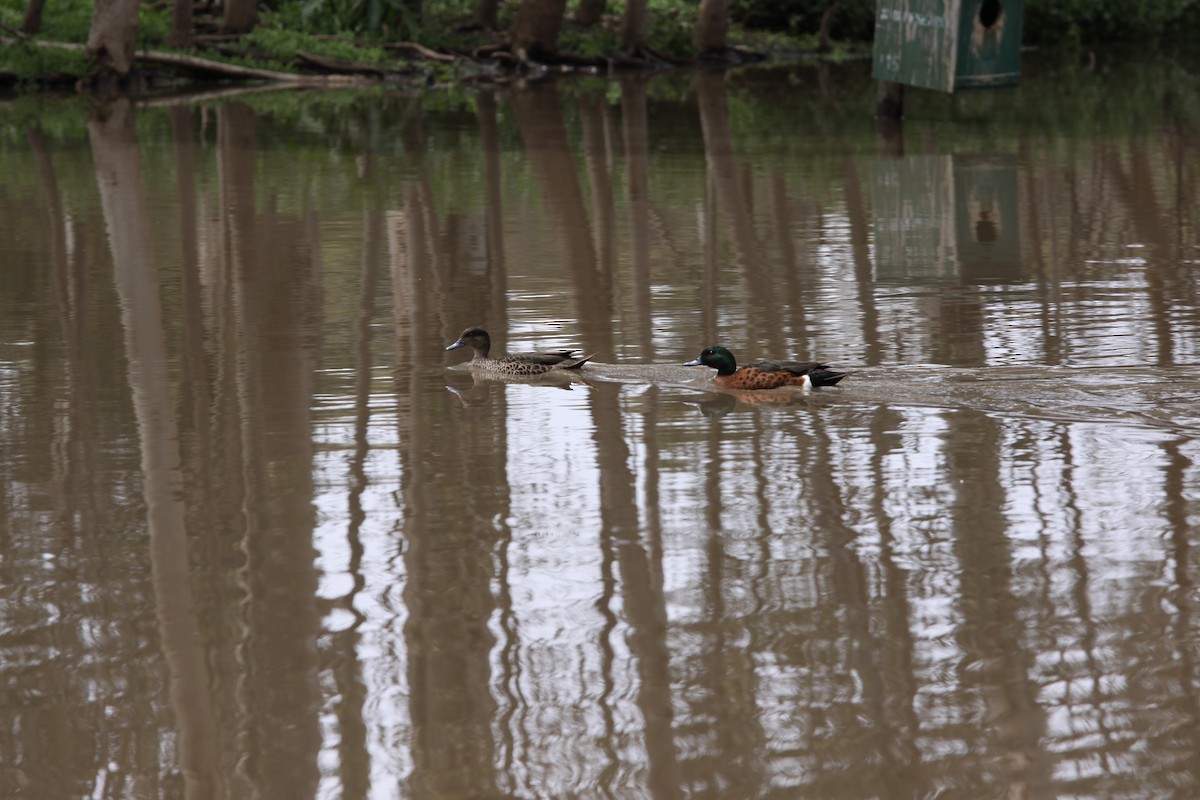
{"x":864,"y":272}
{"x":1161,"y":255}
{"x":56,"y":733}
{"x":637,"y":146}
{"x":1047,"y":276}
{"x":597,"y":129}
{"x":1082,"y":609}
{"x":115,"y":152}
{"x":274,"y":286}
{"x":453,"y":485}
{"x":640,"y":568}
{"x":595,"y":119}
{"x":990,"y":630}
{"x":495,"y":314}
{"x":1180,"y":633}
{"x":751,"y":256}
{"x":539,"y":117}
{"x":795,"y":284}
{"x":198,"y":396}
{"x":710,"y":279}
{"x":725,"y":689}
{"x":353,"y":758}
{"x":886,"y":686}
{"x":73,"y":461}
{"x":898,"y":718}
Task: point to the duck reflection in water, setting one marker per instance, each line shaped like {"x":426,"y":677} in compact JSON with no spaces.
{"x":717,"y":404}
{"x":520,"y":364}
{"x":474,"y":388}
{"x":770,"y":374}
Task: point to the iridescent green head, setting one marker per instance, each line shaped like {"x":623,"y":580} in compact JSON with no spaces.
{"x":716,"y":357}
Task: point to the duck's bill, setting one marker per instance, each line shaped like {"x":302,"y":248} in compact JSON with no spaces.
{"x":456,"y":345}
{"x":695,"y":362}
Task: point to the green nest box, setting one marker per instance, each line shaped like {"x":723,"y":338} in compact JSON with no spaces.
{"x":948,"y":44}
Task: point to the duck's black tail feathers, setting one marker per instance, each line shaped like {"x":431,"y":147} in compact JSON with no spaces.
{"x":576,"y":363}
{"x":825,"y":377}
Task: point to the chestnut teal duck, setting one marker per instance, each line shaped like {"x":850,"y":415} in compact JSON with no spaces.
{"x":770,"y":374}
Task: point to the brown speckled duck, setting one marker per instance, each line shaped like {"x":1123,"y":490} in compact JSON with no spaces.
{"x":764,"y":374}
{"x":514,"y":363}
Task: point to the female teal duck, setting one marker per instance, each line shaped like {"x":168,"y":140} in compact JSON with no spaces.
{"x":764,"y":374}
{"x":514,"y":363}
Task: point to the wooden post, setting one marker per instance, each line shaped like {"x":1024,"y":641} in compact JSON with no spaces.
{"x":889,"y":100}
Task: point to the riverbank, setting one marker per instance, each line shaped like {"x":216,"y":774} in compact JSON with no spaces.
{"x":282,"y":49}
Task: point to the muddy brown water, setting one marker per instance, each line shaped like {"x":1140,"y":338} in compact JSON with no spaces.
{"x":263,"y":537}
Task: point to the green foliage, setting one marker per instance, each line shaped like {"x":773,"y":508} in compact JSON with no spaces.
{"x":782,"y":27}
{"x":1046,"y":21}
{"x":42,"y":64}
{"x":442,"y":25}
{"x":592,"y":42}
{"x":154,"y":23}
{"x":280,"y":45}
{"x":392,"y":18}
{"x":68,"y":22}
{"x":671,"y":34}
{"x":1093,"y":21}
{"x":853,"y":20}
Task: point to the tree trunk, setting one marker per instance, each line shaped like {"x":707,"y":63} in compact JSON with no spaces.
{"x":633,"y":27}
{"x":534,"y":32}
{"x":824,"y":40}
{"x":889,"y":100}
{"x":485,"y":14}
{"x":589,"y":12}
{"x":240,"y":15}
{"x":111,"y":40}
{"x":712,"y":26}
{"x":32,"y":25}
{"x":181,"y":24}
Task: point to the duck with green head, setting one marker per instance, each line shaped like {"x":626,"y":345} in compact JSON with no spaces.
{"x":514,"y":363}
{"x":764,"y":374}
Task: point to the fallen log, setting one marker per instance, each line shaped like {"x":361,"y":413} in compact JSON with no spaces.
{"x":222,"y":69}
{"x":432,"y":55}
{"x":209,"y":67}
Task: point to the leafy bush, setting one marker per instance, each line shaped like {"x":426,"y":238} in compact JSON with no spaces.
{"x":31,"y":64}
{"x":1046,"y":21}
{"x":853,"y":20}
{"x":283,"y":44}
{"x":69,"y":22}
{"x":394,"y":18}
{"x":1092,"y":21}
{"x":672,"y":34}
{"x":592,"y":42}
{"x":293,"y":25}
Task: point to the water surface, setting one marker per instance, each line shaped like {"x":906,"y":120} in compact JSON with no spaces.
{"x":263,"y":537}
